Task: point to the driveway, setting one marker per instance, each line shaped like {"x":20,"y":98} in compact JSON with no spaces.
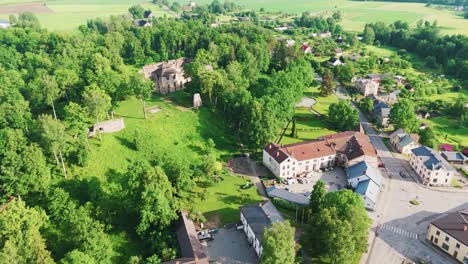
{"x":230,"y":246}
{"x":334,"y":180}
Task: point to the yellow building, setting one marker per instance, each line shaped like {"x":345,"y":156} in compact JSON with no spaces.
{"x":450,"y":233}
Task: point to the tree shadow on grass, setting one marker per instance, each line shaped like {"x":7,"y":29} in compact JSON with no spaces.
{"x":126,"y":142}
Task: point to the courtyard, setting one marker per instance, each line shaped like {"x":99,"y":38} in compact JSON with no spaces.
{"x":334,"y":180}
{"x":230,"y":246}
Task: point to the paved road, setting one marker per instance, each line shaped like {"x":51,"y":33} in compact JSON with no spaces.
{"x":399,"y":228}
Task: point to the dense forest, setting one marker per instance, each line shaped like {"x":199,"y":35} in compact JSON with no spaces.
{"x":448,"y":52}
{"x":55,"y":85}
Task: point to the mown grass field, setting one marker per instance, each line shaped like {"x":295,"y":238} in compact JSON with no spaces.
{"x":66,"y":15}
{"x":173,"y":132}
{"x":308,"y":125}
{"x":357,"y":14}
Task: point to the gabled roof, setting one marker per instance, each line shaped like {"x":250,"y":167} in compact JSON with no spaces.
{"x":381,"y":108}
{"x":288,"y":196}
{"x":369,"y":189}
{"x":260,"y":216}
{"x":364,"y":170}
{"x":455,"y":224}
{"x":432,"y":159}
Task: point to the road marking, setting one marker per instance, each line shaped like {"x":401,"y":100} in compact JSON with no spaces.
{"x":399,"y":231}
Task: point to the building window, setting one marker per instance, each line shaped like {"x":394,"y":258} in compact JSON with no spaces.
{"x":321,"y":158}
{"x":437,"y":232}
{"x":457,"y":245}
{"x":445,"y":247}
{"x":436,"y":240}
{"x":307,"y":162}
{"x":446,"y":180}
{"x":448,"y":174}
{"x":465,"y":260}
{"x":300,"y":163}
{"x":447,"y":238}
{"x":434,"y":180}
{"x":455,"y":254}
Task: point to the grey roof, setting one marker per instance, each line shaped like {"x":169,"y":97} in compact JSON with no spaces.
{"x":432,"y":159}
{"x":368,"y":189}
{"x":190,"y":246}
{"x":399,"y":132}
{"x":364,"y":169}
{"x":288,"y":196}
{"x":454,"y":156}
{"x":454,"y":224}
{"x":261,"y":216}
{"x":381,"y":108}
{"x":405,"y":140}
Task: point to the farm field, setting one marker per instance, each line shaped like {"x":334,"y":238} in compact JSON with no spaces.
{"x":65,"y":15}
{"x":357,"y":14}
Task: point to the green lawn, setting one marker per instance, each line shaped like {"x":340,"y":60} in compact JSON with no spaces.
{"x":323,"y":102}
{"x":67,"y":15}
{"x":308,"y":125}
{"x":448,"y":130}
{"x":220,"y":203}
{"x":174,"y":132}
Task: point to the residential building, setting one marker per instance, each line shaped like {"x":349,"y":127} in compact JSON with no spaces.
{"x":455,"y":157}
{"x":4,"y":23}
{"x":343,"y":149}
{"x":290,"y":42}
{"x":367,"y":86}
{"x":450,"y":233}
{"x":334,"y":61}
{"x":381,"y":112}
{"x":365,"y":180}
{"x":288,"y":196}
{"x":255,"y":218}
{"x":404,"y":142}
{"x":326,"y":34}
{"x":431,"y":167}
{"x":306,"y":48}
{"x":191,"y":250}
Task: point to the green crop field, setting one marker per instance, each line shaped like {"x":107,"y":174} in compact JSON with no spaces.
{"x":357,"y":14}
{"x":65,"y":15}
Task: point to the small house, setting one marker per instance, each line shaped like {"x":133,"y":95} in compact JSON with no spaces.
{"x":365,"y":180}
{"x":404,"y":142}
{"x":367,"y":86}
{"x":334,"y":61}
{"x":255,"y":218}
{"x":454,"y":157}
{"x":446,"y":147}
{"x":431,"y":167}
{"x":381,"y":112}
{"x":306,"y":48}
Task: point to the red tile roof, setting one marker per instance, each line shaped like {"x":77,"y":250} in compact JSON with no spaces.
{"x":351,"y":143}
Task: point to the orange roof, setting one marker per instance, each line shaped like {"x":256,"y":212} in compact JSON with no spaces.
{"x":352,"y":144}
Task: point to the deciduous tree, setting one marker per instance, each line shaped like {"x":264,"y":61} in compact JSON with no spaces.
{"x":343,"y":115}
{"x":402,"y":115}
{"x":278,"y":244}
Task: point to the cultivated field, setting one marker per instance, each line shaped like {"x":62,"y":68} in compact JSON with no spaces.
{"x":65,"y":15}
{"x":357,"y":14}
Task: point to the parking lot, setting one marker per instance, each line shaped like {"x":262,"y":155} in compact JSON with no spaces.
{"x":334,"y":180}
{"x":230,"y":246}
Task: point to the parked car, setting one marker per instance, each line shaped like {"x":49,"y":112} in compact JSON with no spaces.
{"x":205,"y":235}
{"x":403,"y":174}
{"x":381,"y":165}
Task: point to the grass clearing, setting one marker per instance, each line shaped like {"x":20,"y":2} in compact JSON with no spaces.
{"x":175,"y":131}
{"x":448,"y":130}
{"x":323,"y":102}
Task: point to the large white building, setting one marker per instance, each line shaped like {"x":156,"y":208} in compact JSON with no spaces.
{"x":431,"y":167}
{"x":343,"y":149}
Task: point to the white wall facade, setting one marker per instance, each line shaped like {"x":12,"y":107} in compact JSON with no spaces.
{"x":439,"y":177}
{"x":253,"y":240}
